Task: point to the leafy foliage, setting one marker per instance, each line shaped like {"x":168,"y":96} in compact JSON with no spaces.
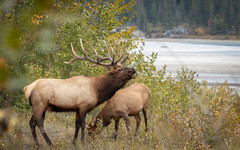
{"x":183,"y":113}
{"x":186,"y":114}
{"x":38,"y":36}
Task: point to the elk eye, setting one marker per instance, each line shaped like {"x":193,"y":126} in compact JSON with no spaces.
{"x":120,"y":69}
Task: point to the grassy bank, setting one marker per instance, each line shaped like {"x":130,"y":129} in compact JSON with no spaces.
{"x":183,"y":114}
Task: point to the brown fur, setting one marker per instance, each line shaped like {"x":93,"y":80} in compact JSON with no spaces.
{"x":126,"y":102}
{"x":81,"y":94}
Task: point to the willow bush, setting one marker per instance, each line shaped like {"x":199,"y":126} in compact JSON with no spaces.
{"x":187,"y":114}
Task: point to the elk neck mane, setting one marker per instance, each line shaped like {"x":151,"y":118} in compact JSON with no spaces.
{"x":106,"y":86}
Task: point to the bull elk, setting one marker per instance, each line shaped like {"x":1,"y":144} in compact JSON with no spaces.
{"x":79,"y":93}
{"x":126,"y":102}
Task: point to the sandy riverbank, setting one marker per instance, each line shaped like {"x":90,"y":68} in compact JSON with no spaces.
{"x":192,"y":40}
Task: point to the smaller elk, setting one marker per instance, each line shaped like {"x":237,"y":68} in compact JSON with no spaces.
{"x":126,"y":102}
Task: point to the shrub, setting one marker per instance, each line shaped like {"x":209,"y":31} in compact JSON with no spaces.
{"x":187,"y":114}
{"x":200,"y":31}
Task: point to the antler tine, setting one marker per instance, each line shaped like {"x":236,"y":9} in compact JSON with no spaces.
{"x":75,"y":56}
{"x":113,"y":57}
{"x":109,"y":56}
{"x":99,"y":58}
{"x":84,"y":52}
{"x":123,"y":61}
{"x":119,"y":58}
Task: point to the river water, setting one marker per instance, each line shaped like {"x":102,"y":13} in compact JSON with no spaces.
{"x":215,"y":61}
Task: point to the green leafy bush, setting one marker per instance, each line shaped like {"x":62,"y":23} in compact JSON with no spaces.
{"x":186,"y":114}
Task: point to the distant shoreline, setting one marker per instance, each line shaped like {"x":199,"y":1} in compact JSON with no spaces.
{"x":193,"y":40}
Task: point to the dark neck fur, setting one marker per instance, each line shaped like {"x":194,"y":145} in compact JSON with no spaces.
{"x":106,"y":86}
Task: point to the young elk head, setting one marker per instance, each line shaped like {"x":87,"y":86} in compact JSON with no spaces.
{"x":92,"y":127}
{"x":95,"y":124}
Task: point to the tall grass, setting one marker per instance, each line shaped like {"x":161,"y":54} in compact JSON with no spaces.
{"x":183,"y":114}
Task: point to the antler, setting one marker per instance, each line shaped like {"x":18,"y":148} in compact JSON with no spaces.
{"x":123,"y":61}
{"x":99,"y":58}
{"x":119,"y":61}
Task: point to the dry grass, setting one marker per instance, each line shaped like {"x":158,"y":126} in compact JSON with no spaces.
{"x":183,"y":114}
{"x":60,"y":128}
{"x":171,"y":132}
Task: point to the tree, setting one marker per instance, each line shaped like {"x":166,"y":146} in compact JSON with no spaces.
{"x":193,"y":13}
{"x":37,"y":35}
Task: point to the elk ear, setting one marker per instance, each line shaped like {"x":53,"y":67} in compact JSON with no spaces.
{"x":108,"y":68}
{"x":113,"y":70}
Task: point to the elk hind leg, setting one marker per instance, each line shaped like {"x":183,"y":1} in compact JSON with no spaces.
{"x":40,"y":124}
{"x":33,"y":124}
{"x":39,"y":115}
{"x":144,"y":110}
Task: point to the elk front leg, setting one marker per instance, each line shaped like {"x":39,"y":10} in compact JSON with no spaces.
{"x":83,"y":122}
{"x":77,"y":126}
{"x":80,"y":122}
{"x":127,"y":122}
{"x":116,"y":128}
{"x":138,"y":121}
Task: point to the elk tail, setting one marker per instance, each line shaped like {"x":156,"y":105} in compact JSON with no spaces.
{"x":28,"y":90}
